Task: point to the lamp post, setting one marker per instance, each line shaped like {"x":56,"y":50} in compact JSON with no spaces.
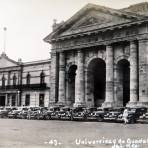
{"x":18,"y":96}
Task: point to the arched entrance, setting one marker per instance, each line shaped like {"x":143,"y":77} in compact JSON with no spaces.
{"x":123,"y":67}
{"x":96,"y":80}
{"x":71,"y":74}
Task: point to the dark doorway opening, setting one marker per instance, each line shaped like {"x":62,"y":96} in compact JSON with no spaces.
{"x":97,"y":72}
{"x":2,"y":100}
{"x":41,"y":100}
{"x":124,"y":77}
{"x":71,"y":74}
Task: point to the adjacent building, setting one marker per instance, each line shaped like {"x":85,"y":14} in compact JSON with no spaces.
{"x":24,"y":84}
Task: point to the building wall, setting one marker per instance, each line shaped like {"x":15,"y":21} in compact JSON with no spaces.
{"x":35,"y":70}
{"x":10,"y":92}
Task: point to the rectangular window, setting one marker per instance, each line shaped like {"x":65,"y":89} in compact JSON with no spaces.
{"x":41,"y":100}
{"x":13,"y":100}
{"x":27,"y":100}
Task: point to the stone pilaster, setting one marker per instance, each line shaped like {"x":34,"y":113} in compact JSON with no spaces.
{"x":143,"y":72}
{"x":16,"y":100}
{"x":53,"y":78}
{"x":133,"y":74}
{"x":61,"y":97}
{"x":117,"y":99}
{"x":79,"y":82}
{"x":10,"y":101}
{"x":109,"y":99}
{"x":6,"y":100}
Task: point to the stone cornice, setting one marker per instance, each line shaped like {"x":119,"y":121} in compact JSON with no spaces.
{"x":104,"y":42}
{"x":12,"y":68}
{"x":95,"y":31}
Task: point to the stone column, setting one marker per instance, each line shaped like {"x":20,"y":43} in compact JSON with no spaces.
{"x":109,"y":77}
{"x":16,"y":100}
{"x":133,"y":74}
{"x":79,"y":82}
{"x":53,"y":78}
{"x":143,"y":72}
{"x":115,"y":83}
{"x":61,"y":97}
{"x":10,"y":100}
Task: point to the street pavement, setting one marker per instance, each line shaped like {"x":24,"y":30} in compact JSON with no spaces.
{"x":17,"y":133}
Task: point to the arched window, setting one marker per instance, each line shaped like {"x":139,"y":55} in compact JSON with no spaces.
{"x":28,"y":78}
{"x":14,"y":79}
{"x":3,"y":81}
{"x":42,"y":78}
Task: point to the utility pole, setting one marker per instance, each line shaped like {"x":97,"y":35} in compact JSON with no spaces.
{"x":5,"y":29}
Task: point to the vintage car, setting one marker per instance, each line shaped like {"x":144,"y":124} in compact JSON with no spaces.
{"x":113,"y":114}
{"x":64,"y":113}
{"x":78,"y":113}
{"x":134,"y":114}
{"x":52,"y":113}
{"x":144,"y":116}
{"x":23,"y":113}
{"x":13,"y":114}
{"x":89,"y":113}
{"x":36,"y":113}
{"x":98,"y":114}
{"x":4,"y":112}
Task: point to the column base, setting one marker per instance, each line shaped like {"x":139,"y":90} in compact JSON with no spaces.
{"x":109,"y":104}
{"x":51,"y":104}
{"x":61,"y":104}
{"x":142,"y":104}
{"x":131,"y":104}
{"x":79,"y":104}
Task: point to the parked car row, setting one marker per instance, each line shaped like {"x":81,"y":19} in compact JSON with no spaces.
{"x":75,"y":113}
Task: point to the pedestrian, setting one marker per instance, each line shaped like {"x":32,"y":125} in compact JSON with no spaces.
{"x":29,"y":113}
{"x":125,"y":115}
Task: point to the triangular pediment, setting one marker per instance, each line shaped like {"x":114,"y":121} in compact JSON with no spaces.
{"x":6,"y":62}
{"x":97,"y":17}
{"x":92,"y":17}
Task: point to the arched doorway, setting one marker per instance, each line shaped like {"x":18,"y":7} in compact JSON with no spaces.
{"x":96,"y":80}
{"x":71,"y":74}
{"x":123,"y":67}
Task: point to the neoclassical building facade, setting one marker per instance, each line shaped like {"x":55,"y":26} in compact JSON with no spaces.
{"x":99,"y":57}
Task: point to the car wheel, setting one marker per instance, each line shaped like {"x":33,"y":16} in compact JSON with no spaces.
{"x":85,"y":118}
{"x":47,"y":117}
{"x":38,"y":117}
{"x":132,"y":121}
{"x":99,"y":119}
{"x":71,"y":118}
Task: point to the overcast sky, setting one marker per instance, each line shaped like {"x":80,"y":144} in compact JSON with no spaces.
{"x":29,"y":21}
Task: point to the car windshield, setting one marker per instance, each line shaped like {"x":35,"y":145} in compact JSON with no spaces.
{"x":78,"y":109}
{"x":92,"y":109}
{"x":132,"y":110}
{"x":54,"y":109}
{"x":65,"y":109}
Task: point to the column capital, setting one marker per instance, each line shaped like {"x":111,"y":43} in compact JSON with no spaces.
{"x":53,"y":53}
{"x":109,"y":46}
{"x":142,"y":40}
{"x":133,"y":46}
{"x":79,"y":51}
{"x":62,"y":51}
{"x":133,"y":41}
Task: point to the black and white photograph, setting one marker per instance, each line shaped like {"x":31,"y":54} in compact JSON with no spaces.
{"x":73,"y":74}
